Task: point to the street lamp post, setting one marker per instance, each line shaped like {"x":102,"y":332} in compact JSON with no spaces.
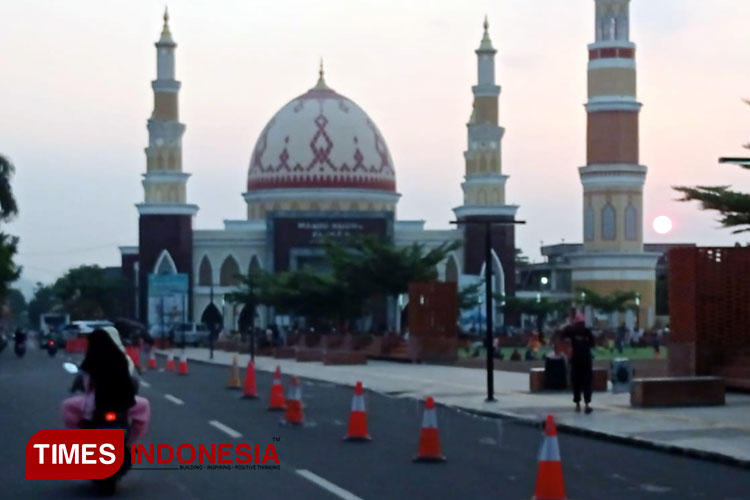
{"x":489,"y":346}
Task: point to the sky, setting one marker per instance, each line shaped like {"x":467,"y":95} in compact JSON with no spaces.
{"x":75,"y":96}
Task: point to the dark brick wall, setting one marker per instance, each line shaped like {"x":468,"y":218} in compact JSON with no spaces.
{"x":709,"y":293}
{"x":173,"y":233}
{"x":503,"y":243}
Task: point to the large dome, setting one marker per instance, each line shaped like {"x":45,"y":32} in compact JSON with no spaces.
{"x":318,"y":140}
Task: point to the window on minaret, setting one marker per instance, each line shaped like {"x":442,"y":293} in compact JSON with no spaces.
{"x":631,"y":223}
{"x":609,"y":222}
{"x":588,"y":223}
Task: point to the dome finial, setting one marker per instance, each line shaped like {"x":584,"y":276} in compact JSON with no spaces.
{"x":486,"y":23}
{"x":166,"y":15}
{"x":486,"y":42}
{"x":321,"y":77}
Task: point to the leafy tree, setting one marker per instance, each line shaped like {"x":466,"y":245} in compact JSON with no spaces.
{"x":18,"y":308}
{"x":733,"y":206}
{"x":468,"y":296}
{"x":91,"y":292}
{"x":617,"y":301}
{"x":43,"y":301}
{"x":250,"y":294}
{"x":539,"y":309}
{"x":9,"y":271}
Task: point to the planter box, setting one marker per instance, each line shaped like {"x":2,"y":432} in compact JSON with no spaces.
{"x":284,"y":352}
{"x":677,"y":391}
{"x":345,"y":358}
{"x":309,"y":355}
{"x":599,"y":382}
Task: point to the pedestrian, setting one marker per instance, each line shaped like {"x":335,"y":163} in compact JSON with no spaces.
{"x":622,"y":333}
{"x":581,"y":363}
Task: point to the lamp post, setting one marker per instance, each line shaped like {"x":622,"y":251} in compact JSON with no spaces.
{"x":488,"y":222}
{"x":637,"y":311}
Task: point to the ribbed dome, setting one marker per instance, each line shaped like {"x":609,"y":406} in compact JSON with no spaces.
{"x":321,"y":139}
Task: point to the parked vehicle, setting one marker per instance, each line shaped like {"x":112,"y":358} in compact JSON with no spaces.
{"x":191,"y":334}
{"x":83,"y":327}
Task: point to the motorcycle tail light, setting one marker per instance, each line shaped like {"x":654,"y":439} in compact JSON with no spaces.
{"x":51,"y":342}
{"x":110,"y":416}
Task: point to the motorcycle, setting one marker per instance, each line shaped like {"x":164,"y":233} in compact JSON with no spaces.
{"x":20,"y":349}
{"x":51,"y":347}
{"x":103,"y":418}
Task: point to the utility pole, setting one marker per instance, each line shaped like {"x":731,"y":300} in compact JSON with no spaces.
{"x":489,"y":346}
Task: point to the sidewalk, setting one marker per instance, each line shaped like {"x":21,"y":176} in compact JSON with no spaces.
{"x":718,"y":433}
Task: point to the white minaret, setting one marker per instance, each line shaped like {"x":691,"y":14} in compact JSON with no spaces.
{"x":164,"y":182}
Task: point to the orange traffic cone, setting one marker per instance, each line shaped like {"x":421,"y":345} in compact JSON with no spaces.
{"x":250,"y":390}
{"x":152,"y":361}
{"x":170,"y":362}
{"x":549,"y":479}
{"x":277,"y":402}
{"x":429,"y":441}
{"x":357,"y":430}
{"x":182,"y":369}
{"x":234,"y":376}
{"x":294,"y":404}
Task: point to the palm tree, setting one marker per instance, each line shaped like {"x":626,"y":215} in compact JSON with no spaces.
{"x":8,"y":206}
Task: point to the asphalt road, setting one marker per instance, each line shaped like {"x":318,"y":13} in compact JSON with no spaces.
{"x":487,"y":458}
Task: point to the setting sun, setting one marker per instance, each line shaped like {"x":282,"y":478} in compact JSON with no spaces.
{"x":662,"y":224}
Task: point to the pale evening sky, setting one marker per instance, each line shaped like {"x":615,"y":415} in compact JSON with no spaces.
{"x":75,"y":95}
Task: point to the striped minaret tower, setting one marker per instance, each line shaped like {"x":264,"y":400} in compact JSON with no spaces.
{"x":484,"y":184}
{"x":613,"y":178}
{"x":165,"y":223}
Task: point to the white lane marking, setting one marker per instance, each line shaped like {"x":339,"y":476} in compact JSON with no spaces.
{"x":223,"y":428}
{"x":173,"y":399}
{"x":327,"y":485}
{"x":144,"y":384}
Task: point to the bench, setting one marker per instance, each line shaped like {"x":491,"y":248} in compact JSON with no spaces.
{"x":309,"y":355}
{"x":284,"y":352}
{"x":599,"y":382}
{"x":677,"y":391}
{"x":345,"y":358}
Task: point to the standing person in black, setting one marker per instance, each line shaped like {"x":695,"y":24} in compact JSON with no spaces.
{"x":581,"y":363}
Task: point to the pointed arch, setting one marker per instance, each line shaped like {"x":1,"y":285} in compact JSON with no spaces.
{"x":254,"y":264}
{"x":498,"y":274}
{"x":165,"y":264}
{"x":228,"y":274}
{"x":211,"y":316}
{"x":451,"y":269}
{"x":205,"y":272}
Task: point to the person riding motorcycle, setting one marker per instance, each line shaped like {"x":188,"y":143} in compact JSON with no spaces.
{"x":109,"y":383}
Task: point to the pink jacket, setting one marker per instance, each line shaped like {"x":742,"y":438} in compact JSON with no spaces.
{"x":81,"y":406}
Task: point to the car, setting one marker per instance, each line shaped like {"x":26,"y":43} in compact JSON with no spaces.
{"x":193,"y":334}
{"x":83,"y":327}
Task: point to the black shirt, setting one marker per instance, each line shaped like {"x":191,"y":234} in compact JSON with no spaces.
{"x":582,"y":341}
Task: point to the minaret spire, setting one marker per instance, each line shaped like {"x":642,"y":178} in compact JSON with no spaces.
{"x":166,"y":35}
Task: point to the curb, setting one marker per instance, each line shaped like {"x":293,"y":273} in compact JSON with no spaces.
{"x":633,"y":441}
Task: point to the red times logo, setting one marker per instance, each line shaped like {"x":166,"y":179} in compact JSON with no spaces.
{"x":74,"y":453}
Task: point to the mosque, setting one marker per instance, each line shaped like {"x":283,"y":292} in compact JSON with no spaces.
{"x":321,"y":168}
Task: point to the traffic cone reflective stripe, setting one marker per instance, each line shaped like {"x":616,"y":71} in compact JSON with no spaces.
{"x":294,"y":404}
{"x":429,"y":440}
{"x":170,"y":362}
{"x":357,"y":430}
{"x":152,"y":361}
{"x":234,"y":375}
{"x":250,"y":390}
{"x":549,"y":479}
{"x":182,"y":369}
{"x":277,"y":393}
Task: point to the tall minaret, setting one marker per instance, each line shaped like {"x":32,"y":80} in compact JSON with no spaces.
{"x":613,"y":178}
{"x":165,"y":223}
{"x":484,"y":185}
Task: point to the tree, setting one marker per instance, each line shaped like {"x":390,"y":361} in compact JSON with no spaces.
{"x":617,"y":301}
{"x":468,"y":296}
{"x":9,"y":271}
{"x":91,"y":292}
{"x":250,"y":294}
{"x":43,"y":301}
{"x":734,"y":206}
{"x":539,"y":309}
{"x":18,"y":308}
